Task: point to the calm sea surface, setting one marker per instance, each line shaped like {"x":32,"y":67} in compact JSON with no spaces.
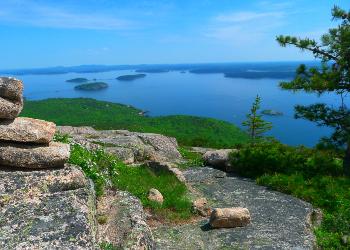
{"x":208,"y":95}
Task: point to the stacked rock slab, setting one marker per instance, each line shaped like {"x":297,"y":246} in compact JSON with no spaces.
{"x":44,"y":203}
{"x":25,"y":142}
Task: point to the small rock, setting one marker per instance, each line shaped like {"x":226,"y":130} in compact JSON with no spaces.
{"x":229,"y":217}
{"x":201,"y":207}
{"x":345,"y":240}
{"x":27,"y":130}
{"x":218,"y":158}
{"x":155,"y":195}
{"x":33,"y":156}
{"x":316,"y":217}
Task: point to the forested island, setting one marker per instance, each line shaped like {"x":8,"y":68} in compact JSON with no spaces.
{"x":78,"y":80}
{"x":130,"y":77}
{"x":92,"y":86}
{"x":271,"y":112}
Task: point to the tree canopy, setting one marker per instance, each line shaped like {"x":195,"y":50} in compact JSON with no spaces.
{"x":333,"y":75}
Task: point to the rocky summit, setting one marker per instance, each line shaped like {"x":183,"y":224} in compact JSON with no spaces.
{"x":46,"y":209}
{"x":48,"y":204}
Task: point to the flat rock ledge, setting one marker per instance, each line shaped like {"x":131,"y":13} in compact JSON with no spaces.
{"x":278,"y":221}
{"x":47,"y":210}
{"x":33,"y":156}
{"x":130,"y":147}
{"x":27,"y":130}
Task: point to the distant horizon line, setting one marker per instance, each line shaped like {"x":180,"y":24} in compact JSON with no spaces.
{"x":153,"y":64}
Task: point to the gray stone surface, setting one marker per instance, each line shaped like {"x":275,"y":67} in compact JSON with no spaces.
{"x":131,"y":147}
{"x":125,"y":226}
{"x":27,"y":130}
{"x":46,"y":210}
{"x":278,"y":221}
{"x":34,"y":156}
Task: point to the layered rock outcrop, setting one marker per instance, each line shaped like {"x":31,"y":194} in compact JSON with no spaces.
{"x":44,"y":204}
{"x":130,"y":147}
{"x":25,"y":142}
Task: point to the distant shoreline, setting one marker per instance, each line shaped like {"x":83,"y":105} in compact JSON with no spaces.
{"x":251,"y":70}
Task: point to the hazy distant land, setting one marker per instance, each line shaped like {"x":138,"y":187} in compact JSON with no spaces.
{"x":256,"y":70}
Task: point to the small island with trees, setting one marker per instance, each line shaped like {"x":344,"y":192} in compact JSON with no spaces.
{"x":78,"y":80}
{"x":271,"y":112}
{"x":130,"y":77}
{"x":91,"y":86}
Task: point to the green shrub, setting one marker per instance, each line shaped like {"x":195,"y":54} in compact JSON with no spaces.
{"x":106,"y":170}
{"x":193,"y":159}
{"x":254,"y":160}
{"x":64,"y":138}
{"x":97,"y":165}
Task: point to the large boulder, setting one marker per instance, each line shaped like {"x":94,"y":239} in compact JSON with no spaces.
{"x":47,"y":210}
{"x":219,"y":159}
{"x":27,"y":130}
{"x":11,"y":97}
{"x":33,"y":156}
{"x":229,"y":217}
{"x":124,"y":222}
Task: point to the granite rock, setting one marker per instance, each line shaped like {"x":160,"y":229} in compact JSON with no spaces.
{"x":229,"y":217}
{"x":10,"y":109}
{"x":47,"y":210}
{"x":27,"y":130}
{"x":11,"y":88}
{"x":155,"y":195}
{"x":33,"y":156}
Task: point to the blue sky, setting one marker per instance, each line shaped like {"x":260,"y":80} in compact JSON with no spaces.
{"x":40,"y":33}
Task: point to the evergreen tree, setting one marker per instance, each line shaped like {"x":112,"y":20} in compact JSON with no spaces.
{"x":256,"y":125}
{"x":332,"y":76}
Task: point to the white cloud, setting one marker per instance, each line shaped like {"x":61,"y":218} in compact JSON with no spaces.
{"x":32,"y":14}
{"x":245,"y":16}
{"x":244,"y":28}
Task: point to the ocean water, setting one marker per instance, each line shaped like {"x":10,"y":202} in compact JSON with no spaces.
{"x":208,"y":95}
